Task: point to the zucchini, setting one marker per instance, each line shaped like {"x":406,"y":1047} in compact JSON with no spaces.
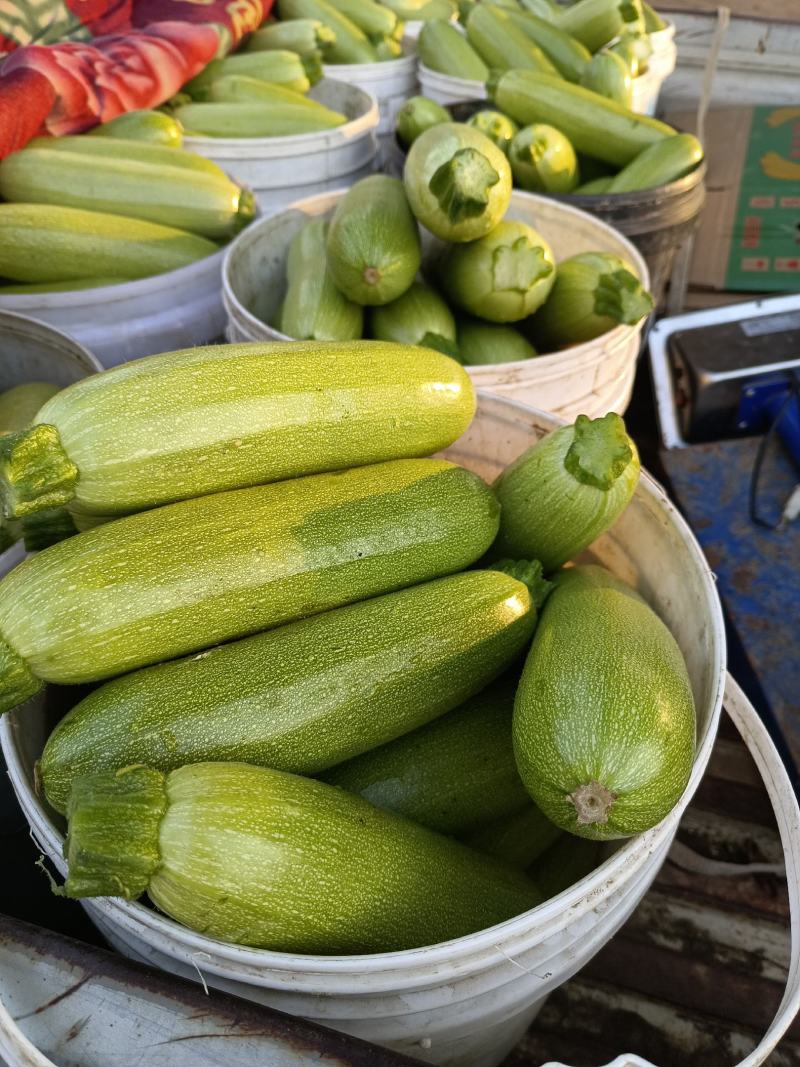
{"x":653,"y":22}
{"x":518,"y":838}
{"x":458,"y":182}
{"x":387,"y":48}
{"x":261,"y":119}
{"x":153,"y":127}
{"x":351,"y":45}
{"x":202,"y":420}
{"x":608,"y":75}
{"x":502,"y":45}
{"x":604,"y":720}
{"x":20,"y":404}
{"x":418,"y":317}
{"x":199,"y":203}
{"x":316,"y":692}
{"x":490,"y":342}
{"x":564,"y":863}
{"x":422,"y":10}
{"x":594,"y":292}
{"x":568,"y":56}
{"x":595,"y":186}
{"x":503,"y":277}
{"x":287,"y":110}
{"x":635,"y":50}
{"x":442,"y":48}
{"x":303,"y":36}
{"x":61,"y":287}
{"x":45,"y":243}
{"x":543,"y":9}
{"x":597,"y":22}
{"x":259,"y":857}
{"x":543,"y":161}
{"x":416,"y":116}
{"x":499,"y":128}
{"x":593,"y":124}
{"x":117,"y":148}
{"x":286,"y":69}
{"x":454,"y":775}
{"x":566,"y":490}
{"x":232,"y":564}
{"x":374,"y":19}
{"x":374,"y":249}
{"x":660,"y":164}
{"x":313,"y":308}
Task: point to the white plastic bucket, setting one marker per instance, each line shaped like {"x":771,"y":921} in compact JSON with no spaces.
{"x":445,"y":89}
{"x":391,"y":83}
{"x":467,"y":1001}
{"x":178,"y":309}
{"x":279,"y":169}
{"x":590,"y":379}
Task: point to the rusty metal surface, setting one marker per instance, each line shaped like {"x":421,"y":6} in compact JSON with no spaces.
{"x":696,"y":975}
{"x":86,"y":1007}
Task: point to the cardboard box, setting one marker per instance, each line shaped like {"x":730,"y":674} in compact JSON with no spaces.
{"x":749,"y":235}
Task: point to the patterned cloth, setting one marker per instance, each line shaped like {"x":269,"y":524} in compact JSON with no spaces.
{"x":112,"y":56}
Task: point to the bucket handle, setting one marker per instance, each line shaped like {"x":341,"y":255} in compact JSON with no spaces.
{"x":784,"y":803}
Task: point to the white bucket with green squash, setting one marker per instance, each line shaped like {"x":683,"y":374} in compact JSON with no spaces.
{"x":592,"y":378}
{"x":390,"y":82}
{"x":468,"y":1001}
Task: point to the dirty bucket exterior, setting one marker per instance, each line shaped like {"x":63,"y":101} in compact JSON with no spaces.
{"x":589,"y":379}
{"x":281,"y":169}
{"x":391,"y":83}
{"x":117,"y":323}
{"x":467,"y":1001}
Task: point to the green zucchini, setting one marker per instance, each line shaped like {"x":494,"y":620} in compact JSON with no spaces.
{"x":502,"y":45}
{"x":498,"y":127}
{"x":422,"y":10}
{"x":608,"y":75}
{"x":567,"y":55}
{"x":232,"y":564}
{"x":20,"y":404}
{"x":286,"y":69}
{"x":566,"y":490}
{"x":46,"y":243}
{"x":302,"y":36}
{"x":259,"y":857}
{"x":635,"y":50}
{"x":543,"y":9}
{"x":374,"y":19}
{"x":117,"y":148}
{"x":503,"y":277}
{"x":202,"y":420}
{"x":595,"y":186}
{"x":543,"y":161}
{"x":455,"y":774}
{"x":313,"y":693}
{"x":24,"y":288}
{"x":517,"y":838}
{"x":653,"y":22}
{"x":594,"y":292}
{"x":252,"y":119}
{"x":190,"y":200}
{"x":458,"y":182}
{"x":480,"y":343}
{"x":416,"y":116}
{"x":313,"y":308}
{"x":660,"y":164}
{"x":604,"y":720}
{"x":564,"y":863}
{"x":387,"y":48}
{"x":443,"y":49}
{"x":597,"y":22}
{"x":593,"y":124}
{"x":418,"y":317}
{"x":351,"y":45}
{"x":288,"y":110}
{"x":374,"y":249}
{"x":153,"y":127}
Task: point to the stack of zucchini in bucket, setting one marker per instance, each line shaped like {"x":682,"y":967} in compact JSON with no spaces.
{"x":333,"y":679}
{"x":492,"y":294}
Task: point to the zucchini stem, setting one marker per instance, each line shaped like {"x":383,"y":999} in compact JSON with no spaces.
{"x":35,"y":471}
{"x":18,"y":683}
{"x":529,"y":572}
{"x":622,"y":297}
{"x":592,"y":803}
{"x":462,"y":184}
{"x":519,"y":266}
{"x":112,"y":843}
{"x":600,"y":451}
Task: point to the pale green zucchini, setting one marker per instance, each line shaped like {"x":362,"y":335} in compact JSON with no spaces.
{"x":660,"y":164}
{"x":351,"y":45}
{"x":268,"y":859}
{"x":175,"y":580}
{"x":597,"y":22}
{"x":19,"y":405}
{"x":303,"y":36}
{"x":443,"y":49}
{"x":117,"y":148}
{"x":418,"y":317}
{"x":604,"y":720}
{"x":287,"y":69}
{"x":372,"y":18}
{"x":153,"y":127}
{"x":567,"y":54}
{"x":319,"y":691}
{"x":313,"y":308}
{"x":255,"y":118}
{"x":202,"y":420}
{"x":482,"y":342}
{"x":416,"y":116}
{"x":502,"y":45}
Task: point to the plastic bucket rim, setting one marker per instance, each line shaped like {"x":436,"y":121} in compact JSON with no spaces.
{"x":56,"y":337}
{"x":633,"y":851}
{"x":408,"y":61}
